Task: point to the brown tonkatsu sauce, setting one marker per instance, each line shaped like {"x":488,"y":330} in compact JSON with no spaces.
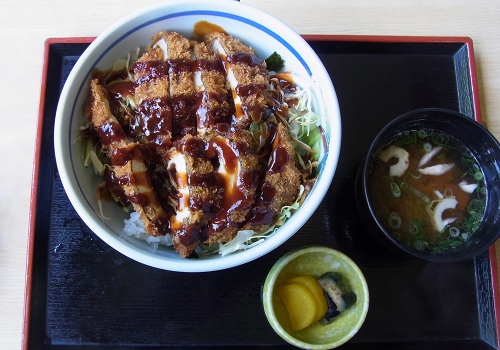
{"x":248,"y":90}
{"x":120,"y":156}
{"x":267,"y":194}
{"x":211,"y":115}
{"x":246,"y":59}
{"x":203,"y":28}
{"x":279,"y":159}
{"x":155,"y":119}
{"x":151,"y":70}
{"x":207,"y":65}
{"x":184,"y":109}
{"x":121,"y":90}
{"x":110,"y":132}
{"x":114,"y":187}
{"x":263,"y":216}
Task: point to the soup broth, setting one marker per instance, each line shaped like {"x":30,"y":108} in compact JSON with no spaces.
{"x":428,"y":190}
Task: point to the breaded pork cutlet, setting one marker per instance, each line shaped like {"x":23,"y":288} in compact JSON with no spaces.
{"x":210,"y":80}
{"x":239,"y":171}
{"x":281,"y":183}
{"x":152,"y":92}
{"x":247,"y":76}
{"x":127,"y":162}
{"x":192,"y":175}
{"x":178,"y":53}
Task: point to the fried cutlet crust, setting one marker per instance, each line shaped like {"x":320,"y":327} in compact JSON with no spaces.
{"x":287,"y":181}
{"x":250,"y":75}
{"x":153,"y":87}
{"x":152,"y":93}
{"x":177,"y":52}
{"x":214,"y":105}
{"x":202,"y":187}
{"x":131,"y":169}
{"x":231,"y":44}
{"x":282,"y":180}
{"x":239,"y":190}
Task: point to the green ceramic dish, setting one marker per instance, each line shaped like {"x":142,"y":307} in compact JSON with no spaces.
{"x":315,"y":261}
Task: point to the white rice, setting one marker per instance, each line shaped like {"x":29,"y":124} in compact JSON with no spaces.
{"x":134,"y":227}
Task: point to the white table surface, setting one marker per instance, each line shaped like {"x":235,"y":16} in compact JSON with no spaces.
{"x":26,"y":24}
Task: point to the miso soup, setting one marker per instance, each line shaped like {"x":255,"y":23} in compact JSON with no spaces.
{"x":428,"y":190}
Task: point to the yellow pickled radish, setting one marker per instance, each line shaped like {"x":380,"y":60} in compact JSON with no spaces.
{"x":299,"y":303}
{"x":317,"y":292}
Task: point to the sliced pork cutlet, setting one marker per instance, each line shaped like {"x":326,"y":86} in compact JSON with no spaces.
{"x":192,"y":174}
{"x":214,"y":97}
{"x":281,"y":183}
{"x":177,"y":51}
{"x":127,"y":162}
{"x":152,"y":92}
{"x":238,"y":169}
{"x":246,"y":75}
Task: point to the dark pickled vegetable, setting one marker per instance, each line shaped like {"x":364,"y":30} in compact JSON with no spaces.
{"x":331,"y":313}
{"x":338,"y":295}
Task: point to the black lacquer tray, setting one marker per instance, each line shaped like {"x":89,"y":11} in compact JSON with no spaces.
{"x":81,"y":294}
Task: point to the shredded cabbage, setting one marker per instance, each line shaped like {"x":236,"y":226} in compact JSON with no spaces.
{"x":305,"y":124}
{"x":246,"y":239}
{"x":242,"y":241}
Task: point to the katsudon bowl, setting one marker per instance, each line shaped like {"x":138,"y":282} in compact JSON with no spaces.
{"x":266,"y":35}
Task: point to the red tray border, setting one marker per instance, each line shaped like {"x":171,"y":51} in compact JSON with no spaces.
{"x":310,"y":37}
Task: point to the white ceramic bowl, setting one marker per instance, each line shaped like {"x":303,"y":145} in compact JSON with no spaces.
{"x":265,"y":34}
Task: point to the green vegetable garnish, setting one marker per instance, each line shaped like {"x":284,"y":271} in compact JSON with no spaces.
{"x":275,"y":62}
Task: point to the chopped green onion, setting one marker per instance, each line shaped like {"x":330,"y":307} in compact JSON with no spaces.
{"x":441,"y":139}
{"x":395,"y":190}
{"x":454,"y":232}
{"x":418,"y":176}
{"x":475,"y":206}
{"x":422,"y":134}
{"x":414,"y":227}
{"x":419,"y":245}
{"x":395,"y":220}
{"x":448,"y":193}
